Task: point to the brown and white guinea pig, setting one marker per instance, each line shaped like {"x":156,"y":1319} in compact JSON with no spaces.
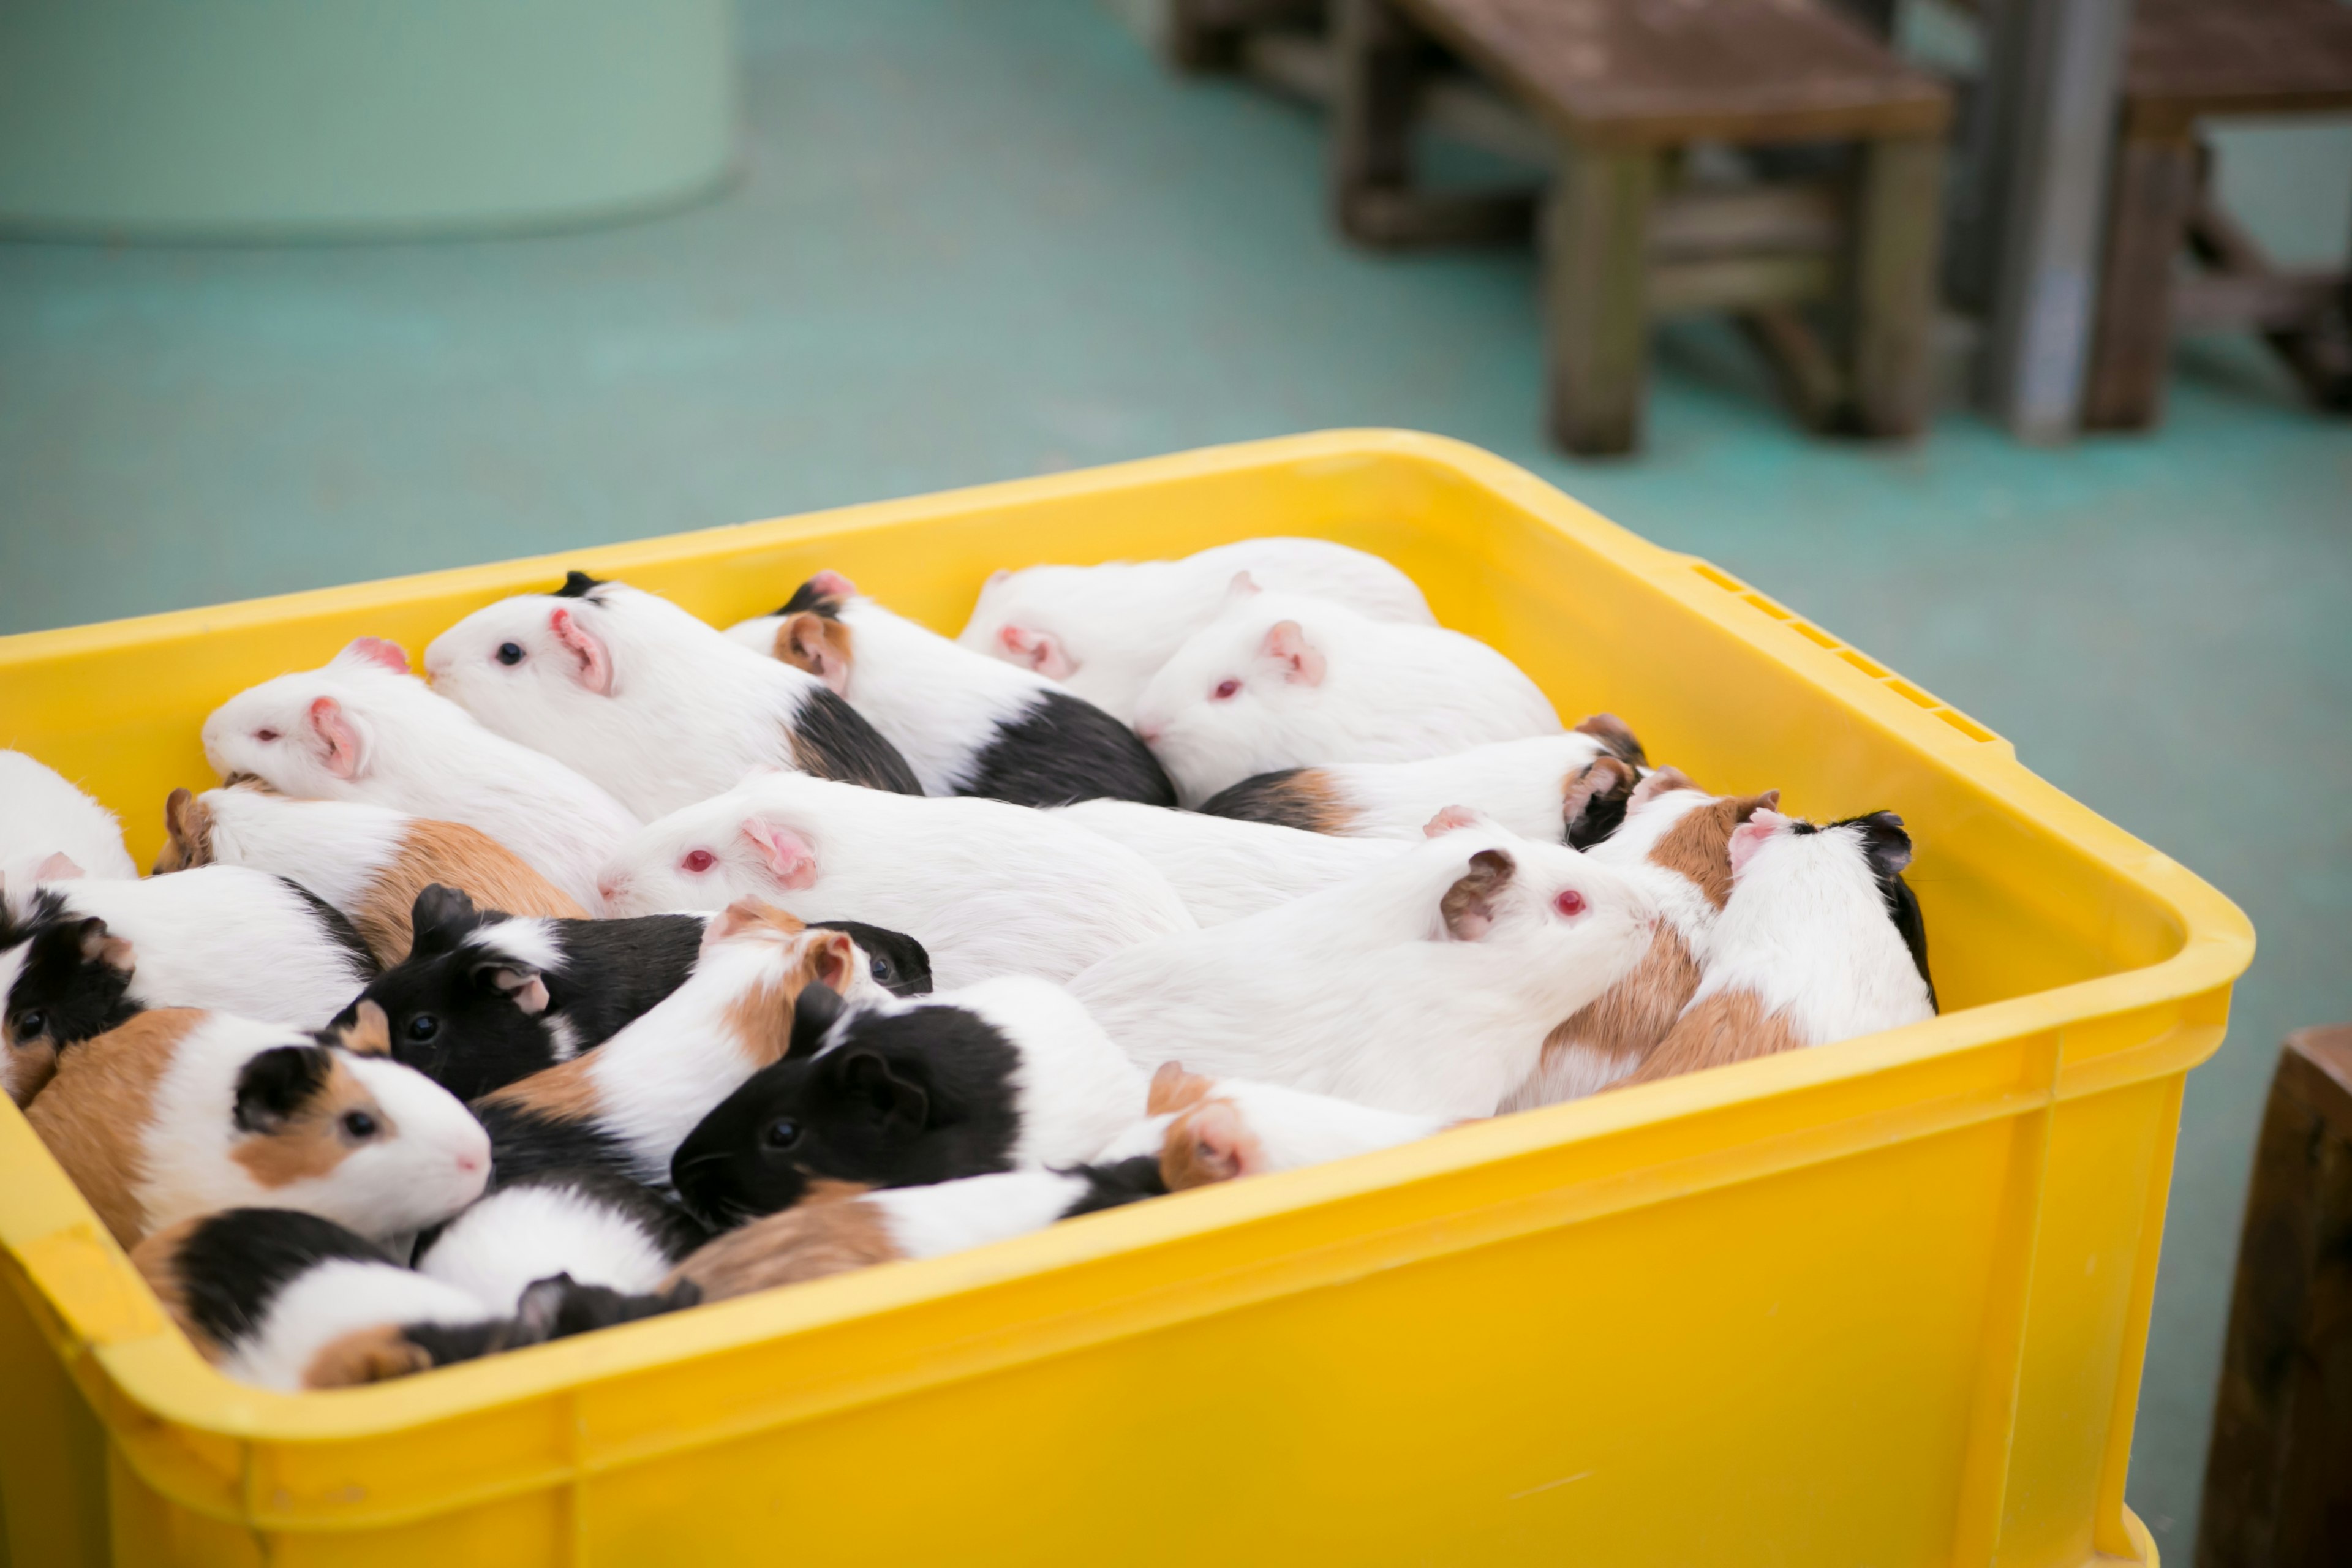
{"x":368,"y":861}
{"x":1280,"y":681}
{"x":1225,"y":868}
{"x":1104,"y":631}
{"x":1544,"y":786}
{"x":650,"y":702}
{"x":81,"y":956}
{"x":1425,"y":985}
{"x":180,"y":1112}
{"x":626,"y":1105}
{"x":1675,"y":840}
{"x":1007,"y":1075}
{"x":966,"y":723}
{"x":840,"y":1226}
{"x":287,"y":1300}
{"x":597,"y":1227}
{"x":41,"y":814}
{"x":1820,"y":941}
{"x":1207,"y":1129}
{"x":362,"y":727}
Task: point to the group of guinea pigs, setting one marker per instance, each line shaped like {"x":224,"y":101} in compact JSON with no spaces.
{"x":615,"y":963}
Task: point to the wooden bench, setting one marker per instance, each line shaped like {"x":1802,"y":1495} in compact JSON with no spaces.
{"x":2190,"y":59}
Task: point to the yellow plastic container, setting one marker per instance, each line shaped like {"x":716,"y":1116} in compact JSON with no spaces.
{"x":1883,"y":1302}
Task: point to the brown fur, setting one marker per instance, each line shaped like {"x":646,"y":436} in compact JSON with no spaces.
{"x":188,"y":834}
{"x":157,"y":1258}
{"x":1603,"y":778}
{"x":1728,"y":1026}
{"x":459,"y":857}
{"x":370,"y":1035}
{"x":1209,"y":1143}
{"x":566,"y":1091}
{"x":828,"y":1233}
{"x":763,"y":1019}
{"x":1699,"y":846}
{"x":25,"y":1069}
{"x":93,"y":1116}
{"x":310,"y":1142}
{"x":365,"y":1355}
{"x":1173,"y":1089}
{"x":1468,"y":905}
{"x":819,"y":643}
{"x":1612,"y":733}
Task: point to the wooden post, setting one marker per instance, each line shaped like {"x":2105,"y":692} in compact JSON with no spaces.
{"x":1596,"y":233}
{"x":2278,"y":1479}
{"x":1371,"y":116}
{"x":2155,"y":189}
{"x":1897,"y":214}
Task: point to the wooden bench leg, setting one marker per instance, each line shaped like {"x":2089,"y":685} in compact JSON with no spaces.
{"x":1596,"y":232}
{"x":1897,"y":221}
{"x":2131,"y":345}
{"x":1371,"y":115}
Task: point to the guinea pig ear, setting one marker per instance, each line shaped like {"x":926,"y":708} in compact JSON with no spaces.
{"x":1886,"y":842}
{"x":1454,"y":820}
{"x":833,"y":959}
{"x":337,"y":734}
{"x":1593,"y":801}
{"x":1000,"y":574}
{"x":1615,"y":733}
{"x":1658,"y":782}
{"x":833,"y":585}
{"x":813,"y":1013}
{"x":818,"y":644}
{"x":1242,"y":586}
{"x":518,"y":983}
{"x":440,"y":917}
{"x":390,"y":655}
{"x":274,"y":1085}
{"x":1173,"y":1089}
{"x":1286,"y":646}
{"x":59,"y":867}
{"x":895,"y":1099}
{"x":1750,"y":835}
{"x":792,"y":859}
{"x":186,"y":832}
{"x":592,"y":666}
{"x":1471,"y":904}
{"x":99,"y":947}
{"x":1041,"y":651}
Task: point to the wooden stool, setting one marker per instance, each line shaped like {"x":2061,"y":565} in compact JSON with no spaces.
{"x":1622,"y":89}
{"x":2192,"y":59}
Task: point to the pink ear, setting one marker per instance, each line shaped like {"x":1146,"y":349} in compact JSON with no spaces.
{"x":59,"y":867}
{"x":335,"y":733}
{"x":1286,"y":643}
{"x":1657,"y":782}
{"x":594,"y":669}
{"x":1041,"y":651}
{"x":833,"y":584}
{"x":999,"y":575}
{"x":791,"y":858}
{"x":1449,"y":819}
{"x":1242,"y":586}
{"x":376,"y":651}
{"x":1750,"y":835}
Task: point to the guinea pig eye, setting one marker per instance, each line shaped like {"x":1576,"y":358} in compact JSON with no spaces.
{"x":782,"y":1135}
{"x":880,"y":967}
{"x":509,"y":653}
{"x":265,"y":736}
{"x":358,"y":1124}
{"x":31,"y":1024}
{"x":697,"y":861}
{"x":1569,"y":903}
{"x":1226,"y":689}
{"x":424,"y":1026}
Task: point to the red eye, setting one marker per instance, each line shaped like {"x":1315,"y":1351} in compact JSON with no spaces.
{"x":265,"y":736}
{"x":697,"y":861}
{"x":1570,"y":903}
{"x":1226,"y":689}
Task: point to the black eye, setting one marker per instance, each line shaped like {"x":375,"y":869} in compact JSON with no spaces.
{"x":424,"y":1026}
{"x":31,"y":1024}
{"x":509,"y":653}
{"x":358,"y":1124}
{"x":782,"y":1135}
{"x":880,"y":967}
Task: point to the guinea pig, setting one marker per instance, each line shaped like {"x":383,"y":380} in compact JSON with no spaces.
{"x":1104,"y":631}
{"x":1007,"y":1075}
{"x":41,"y":814}
{"x":362,"y":727}
{"x":1544,"y":786}
{"x":987,"y":888}
{"x":650,"y":702}
{"x":967,"y":724}
{"x":841,"y":1226}
{"x":1225,"y":868}
{"x":626,"y":1105}
{"x":80,"y":957}
{"x":593,"y":1227}
{"x":1281,"y":680}
{"x":1425,"y":985}
{"x":488,"y":997}
{"x":1204,"y":1129}
{"x":1820,"y":939}
{"x":368,"y":861}
{"x":180,"y":1112}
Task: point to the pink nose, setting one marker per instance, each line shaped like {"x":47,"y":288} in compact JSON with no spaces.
{"x":608,"y":892}
{"x":1150,"y":732}
{"x":469,"y":1163}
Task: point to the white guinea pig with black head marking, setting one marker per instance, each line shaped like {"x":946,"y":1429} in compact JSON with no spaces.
{"x":1281,"y":680}
{"x":180,"y":1112}
{"x":363,"y":728}
{"x":1104,"y":631}
{"x":1225,"y":868}
{"x":650,"y":702}
{"x":41,"y":814}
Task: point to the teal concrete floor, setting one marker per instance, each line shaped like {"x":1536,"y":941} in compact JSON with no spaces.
{"x":982,"y":238}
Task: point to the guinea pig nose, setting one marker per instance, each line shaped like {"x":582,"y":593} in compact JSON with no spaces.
{"x":469,"y":1163}
{"x":1150,"y":732}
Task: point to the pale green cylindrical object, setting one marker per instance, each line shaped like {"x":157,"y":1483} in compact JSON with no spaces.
{"x":292,"y":118}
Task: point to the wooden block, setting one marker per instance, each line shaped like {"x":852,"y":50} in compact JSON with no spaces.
{"x":1898,"y":218}
{"x":2149,"y":202}
{"x":1596,"y":308}
{"x":1737,"y":282}
{"x":1697,"y":222}
{"x":2192,"y":57}
{"x":1375,"y":70}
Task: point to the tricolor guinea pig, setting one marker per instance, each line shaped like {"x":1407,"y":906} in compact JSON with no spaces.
{"x":1225,"y":868}
{"x":1282,"y":680}
{"x":487,"y":997}
{"x":363,"y":728}
{"x":650,"y":702}
{"x":1010,"y":1074}
{"x":1104,"y":631}
{"x":368,"y":861}
{"x":1820,"y":941}
{"x":597,"y":1228}
{"x":1544,"y":786}
{"x":1204,"y":1129}
{"x":1425,"y":985}
{"x":987,"y":888}
{"x":967,"y":724}
{"x":81,"y":956}
{"x":180,"y":1112}
{"x":41,"y":814}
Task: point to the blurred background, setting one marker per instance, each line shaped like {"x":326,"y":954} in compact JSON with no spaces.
{"x":294,"y":294}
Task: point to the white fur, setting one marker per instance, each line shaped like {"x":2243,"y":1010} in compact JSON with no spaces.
{"x":686,"y":714}
{"x":1360,"y":991}
{"x":41,"y":814}
{"x":336,"y":848}
{"x":987,"y":888}
{"x":1225,"y":868}
{"x":1104,"y":631}
{"x":1384,"y":692}
{"x":524,"y":1234}
{"x":417,"y":752}
{"x":948,"y":1216}
{"x":529,"y":940}
{"x":1293,"y":1128}
{"x":1074,"y":1088}
{"x":1519,"y":784}
{"x":338,"y":1297}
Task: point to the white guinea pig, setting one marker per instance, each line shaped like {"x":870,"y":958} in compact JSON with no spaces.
{"x":1280,"y":681}
{"x":362,"y":727}
{"x":1208,"y":1129}
{"x":41,"y":814}
{"x":1104,"y":631}
{"x":650,"y":702}
{"x":1225,"y":868}
{"x":988,"y":888}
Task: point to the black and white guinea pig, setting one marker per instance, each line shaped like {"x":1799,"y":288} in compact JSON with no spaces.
{"x":597,"y":1227}
{"x":640,"y":695}
{"x":41,"y":814}
{"x":1226,"y":868}
{"x":179,"y":1112}
{"x":1282,"y":680}
{"x":487,"y":997}
{"x":840,"y":1226}
{"x":81,"y":956}
{"x":1010,"y":1074}
{"x":1104,"y":631}
{"x":966,"y":723}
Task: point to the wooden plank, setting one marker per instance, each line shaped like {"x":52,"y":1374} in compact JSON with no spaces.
{"x":1699,"y":221}
{"x":1809,"y":379}
{"x":2314,"y":345}
{"x":2192,"y":57}
{"x":2264,"y":301}
{"x":1738,"y":282}
{"x":1208,"y":34}
{"x":1898,"y":215}
{"x":1374,"y":53}
{"x":1403,"y":219}
{"x":1596,"y":310}
{"x":2155,"y":184}
{"x":1296,"y":65}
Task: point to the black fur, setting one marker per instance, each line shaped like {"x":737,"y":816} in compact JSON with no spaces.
{"x":560,"y":1306}
{"x":234,"y":1263}
{"x":339,"y":926}
{"x":1124,"y":1182}
{"x":833,"y":741}
{"x":59,"y":995}
{"x":524,"y":1143}
{"x":1886,"y":843}
{"x":1265,"y":798}
{"x":898,"y":963}
{"x":577,"y":585}
{"x":808,"y":596}
{"x":1066,"y":749}
{"x":1603,"y":812}
{"x":900,"y":1099}
{"x":449,"y":1343}
{"x":274,"y":1084}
